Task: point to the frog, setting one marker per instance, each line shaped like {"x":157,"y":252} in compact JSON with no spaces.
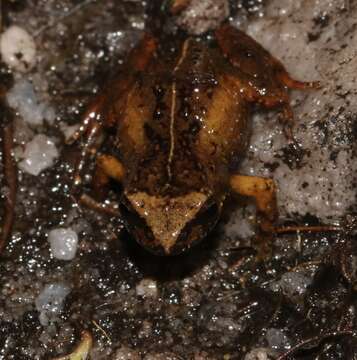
{"x":172,"y":128}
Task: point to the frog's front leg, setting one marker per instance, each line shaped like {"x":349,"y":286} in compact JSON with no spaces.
{"x":89,"y":146}
{"x":259,"y":76}
{"x":263,"y":190}
{"x":107,"y":167}
{"x":106,"y":109}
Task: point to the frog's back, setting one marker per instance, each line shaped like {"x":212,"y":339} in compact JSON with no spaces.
{"x":184,"y":123}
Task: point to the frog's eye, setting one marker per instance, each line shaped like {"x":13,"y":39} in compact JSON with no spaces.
{"x":200,"y":226}
{"x":137,"y":226}
{"x":248,"y":54}
{"x":207,"y":214}
{"x":131,"y":217}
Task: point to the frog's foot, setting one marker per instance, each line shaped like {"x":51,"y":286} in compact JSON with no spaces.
{"x":259,"y":77}
{"x":263,"y":190}
{"x":293,"y":84}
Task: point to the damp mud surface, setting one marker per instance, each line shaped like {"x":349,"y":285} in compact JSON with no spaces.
{"x":67,"y":268}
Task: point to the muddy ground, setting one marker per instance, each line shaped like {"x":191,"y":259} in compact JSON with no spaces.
{"x":217,"y":301}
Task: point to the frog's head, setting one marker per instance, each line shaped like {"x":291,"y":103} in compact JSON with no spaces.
{"x":169,"y":225}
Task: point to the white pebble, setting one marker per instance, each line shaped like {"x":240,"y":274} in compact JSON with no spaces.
{"x":201,"y":16}
{"x":294,"y":284}
{"x":125,"y":353}
{"x":24,"y":100}
{"x":18,"y":48}
{"x":68,"y":130}
{"x":147,"y":288}
{"x":277,"y":340}
{"x":259,"y":354}
{"x":64,"y":243}
{"x":39,"y":155}
{"x":50,"y":301}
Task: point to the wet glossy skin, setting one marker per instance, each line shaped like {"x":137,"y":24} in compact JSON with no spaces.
{"x":184,"y":135}
{"x":178,"y":123}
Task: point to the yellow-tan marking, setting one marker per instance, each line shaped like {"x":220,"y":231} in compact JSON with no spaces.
{"x":132,"y":118}
{"x":111,"y":166}
{"x":166,"y":217}
{"x":263,"y":190}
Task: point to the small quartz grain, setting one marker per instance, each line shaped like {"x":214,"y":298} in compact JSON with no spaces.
{"x":293,"y":284}
{"x":147,"y":288}
{"x":125,"y":353}
{"x":260,"y":354}
{"x":50,"y":302}
{"x":64,"y":243}
{"x":23,"y":98}
{"x":277,"y":340}
{"x":18,"y":48}
{"x":68,"y":130}
{"x":40,"y":153}
{"x":162,"y":356}
{"x":201,"y":16}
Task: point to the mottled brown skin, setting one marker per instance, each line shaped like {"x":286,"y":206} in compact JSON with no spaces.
{"x":178,"y":124}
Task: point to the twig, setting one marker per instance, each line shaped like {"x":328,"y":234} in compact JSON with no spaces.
{"x":312,"y":340}
{"x":10,"y":179}
{"x":63,"y":16}
{"x":318,"y":228}
{"x":102,"y":331}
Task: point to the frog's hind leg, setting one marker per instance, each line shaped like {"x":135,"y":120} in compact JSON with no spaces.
{"x":257,"y":75}
{"x":264,"y":192}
